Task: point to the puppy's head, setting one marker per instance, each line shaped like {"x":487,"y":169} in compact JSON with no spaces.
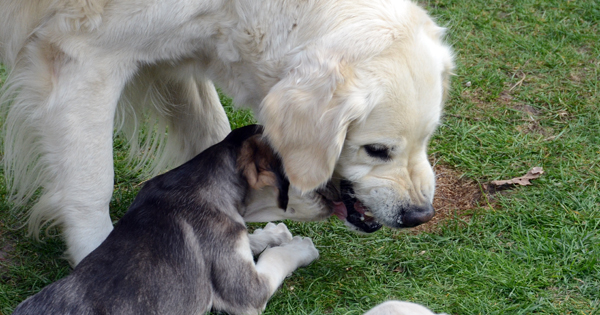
{"x":270,"y":197}
{"x":362,"y":108}
{"x":260,"y":165}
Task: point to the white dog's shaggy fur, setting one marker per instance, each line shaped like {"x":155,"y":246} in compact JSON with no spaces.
{"x":350,"y":86}
{"x":400,"y":308}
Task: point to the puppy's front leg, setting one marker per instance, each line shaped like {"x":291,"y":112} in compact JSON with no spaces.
{"x":271,"y":235}
{"x":247,"y":289}
{"x":276,"y":263}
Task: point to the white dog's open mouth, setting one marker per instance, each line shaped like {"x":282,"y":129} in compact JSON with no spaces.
{"x":349,"y":209}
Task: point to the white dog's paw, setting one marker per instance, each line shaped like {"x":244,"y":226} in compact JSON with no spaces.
{"x":303,"y":249}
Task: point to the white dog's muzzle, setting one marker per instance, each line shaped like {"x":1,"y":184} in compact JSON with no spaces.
{"x":368,"y":213}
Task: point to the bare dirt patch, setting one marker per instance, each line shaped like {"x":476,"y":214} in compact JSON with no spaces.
{"x":455,"y":196}
{"x":531,"y":121}
{"x":527,"y":110}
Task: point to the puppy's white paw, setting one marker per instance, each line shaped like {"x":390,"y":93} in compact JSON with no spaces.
{"x":272,"y":235}
{"x":277,"y":234}
{"x":303,"y":249}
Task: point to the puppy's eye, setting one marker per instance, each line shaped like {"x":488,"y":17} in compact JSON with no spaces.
{"x":378,"y":151}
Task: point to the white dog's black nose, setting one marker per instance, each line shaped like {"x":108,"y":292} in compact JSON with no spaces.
{"x":417,"y":215}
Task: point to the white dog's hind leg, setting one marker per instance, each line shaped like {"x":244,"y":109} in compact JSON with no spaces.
{"x":276,"y":263}
{"x":271,"y":235}
{"x":197,"y":118}
{"x":182,"y":107}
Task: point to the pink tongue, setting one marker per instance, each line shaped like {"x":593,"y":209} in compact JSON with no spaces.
{"x":339,"y":209}
{"x":359,"y":207}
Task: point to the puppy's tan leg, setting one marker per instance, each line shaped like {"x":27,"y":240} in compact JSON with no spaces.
{"x":271,"y":235}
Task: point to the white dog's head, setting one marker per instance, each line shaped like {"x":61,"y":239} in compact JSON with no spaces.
{"x":347,"y":90}
{"x":361,"y":104}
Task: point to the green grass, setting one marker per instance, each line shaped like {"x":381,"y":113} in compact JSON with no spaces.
{"x":532,"y":100}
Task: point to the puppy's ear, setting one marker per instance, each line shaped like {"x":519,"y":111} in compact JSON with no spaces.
{"x":282,"y":185}
{"x":305,"y":121}
{"x":262,"y":167}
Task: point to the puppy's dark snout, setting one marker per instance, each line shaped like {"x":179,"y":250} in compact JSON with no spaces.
{"x":417,"y":215}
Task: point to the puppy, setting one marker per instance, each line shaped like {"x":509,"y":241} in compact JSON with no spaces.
{"x":183,"y":247}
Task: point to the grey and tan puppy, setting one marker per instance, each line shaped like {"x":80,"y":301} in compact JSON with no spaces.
{"x":183,"y":247}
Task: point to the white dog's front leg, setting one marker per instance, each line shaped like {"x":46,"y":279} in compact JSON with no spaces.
{"x":71,"y":118}
{"x":78,"y":135}
{"x":276,"y":263}
{"x":271,"y":235}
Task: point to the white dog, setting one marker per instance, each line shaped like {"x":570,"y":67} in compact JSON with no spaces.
{"x":400,"y":308}
{"x":352,"y":89}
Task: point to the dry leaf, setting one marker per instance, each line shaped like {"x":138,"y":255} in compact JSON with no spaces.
{"x":523,"y":180}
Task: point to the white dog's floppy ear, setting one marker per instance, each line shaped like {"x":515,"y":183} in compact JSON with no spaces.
{"x":305,"y":122}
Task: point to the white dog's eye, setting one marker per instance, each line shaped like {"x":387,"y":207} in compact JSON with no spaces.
{"x":378,"y":151}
